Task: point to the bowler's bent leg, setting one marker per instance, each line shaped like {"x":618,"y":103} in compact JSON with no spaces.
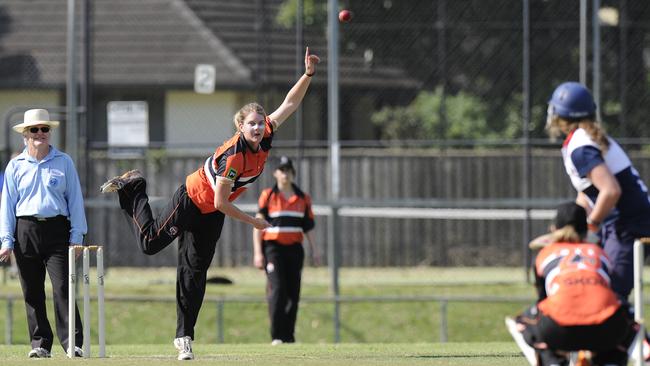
{"x":156,"y":233}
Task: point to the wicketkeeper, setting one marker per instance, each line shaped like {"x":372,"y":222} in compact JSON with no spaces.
{"x":577,"y":308}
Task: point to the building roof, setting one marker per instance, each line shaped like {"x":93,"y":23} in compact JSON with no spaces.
{"x":159,"y":42}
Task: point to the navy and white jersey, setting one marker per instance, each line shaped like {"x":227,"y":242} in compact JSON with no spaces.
{"x":581,"y":154}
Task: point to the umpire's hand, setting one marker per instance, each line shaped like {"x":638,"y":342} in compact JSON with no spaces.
{"x":5,"y":254}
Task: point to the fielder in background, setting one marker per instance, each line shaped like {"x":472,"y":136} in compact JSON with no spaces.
{"x":278,"y":249}
{"x":196,"y":211}
{"x":576,"y":308}
{"x":42,"y":213}
{"x":608,"y":186}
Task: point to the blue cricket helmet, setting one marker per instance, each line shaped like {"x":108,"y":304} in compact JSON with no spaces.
{"x":572,"y":100}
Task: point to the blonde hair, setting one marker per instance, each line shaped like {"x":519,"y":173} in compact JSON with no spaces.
{"x":596,"y":132}
{"x":566,"y":234}
{"x":593,"y":129}
{"x":238,"y":119}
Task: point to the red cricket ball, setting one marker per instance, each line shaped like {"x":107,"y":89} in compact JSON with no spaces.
{"x":345,"y":15}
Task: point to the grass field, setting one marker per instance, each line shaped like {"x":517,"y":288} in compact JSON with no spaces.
{"x":372,"y":333}
{"x":461,"y":354}
{"x":361,"y":322}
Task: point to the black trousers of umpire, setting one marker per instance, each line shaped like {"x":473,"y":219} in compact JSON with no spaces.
{"x":284,"y":272}
{"x":43,"y":246}
{"x":198,"y":235}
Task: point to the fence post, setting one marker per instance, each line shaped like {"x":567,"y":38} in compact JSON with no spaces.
{"x":220,"y":321}
{"x":333,"y":261}
{"x":443,"y":321}
{"x":9,"y":319}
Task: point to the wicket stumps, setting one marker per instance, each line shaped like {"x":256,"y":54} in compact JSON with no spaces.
{"x":99,"y":252}
{"x":639,"y":259}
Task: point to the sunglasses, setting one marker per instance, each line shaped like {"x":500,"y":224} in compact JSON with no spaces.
{"x":45,"y":129}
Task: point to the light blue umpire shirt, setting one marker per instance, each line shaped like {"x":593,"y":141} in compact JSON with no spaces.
{"x":45,"y":188}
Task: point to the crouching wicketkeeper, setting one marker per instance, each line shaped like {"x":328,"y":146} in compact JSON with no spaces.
{"x":577,"y":309}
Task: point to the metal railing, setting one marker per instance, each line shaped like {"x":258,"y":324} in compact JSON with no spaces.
{"x":219,"y":303}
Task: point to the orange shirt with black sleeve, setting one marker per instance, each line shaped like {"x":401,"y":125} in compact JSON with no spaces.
{"x":576,"y":283}
{"x":233,"y":160}
{"x":289,"y":217}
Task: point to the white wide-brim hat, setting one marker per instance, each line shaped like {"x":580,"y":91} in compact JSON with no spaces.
{"x":35,"y":117}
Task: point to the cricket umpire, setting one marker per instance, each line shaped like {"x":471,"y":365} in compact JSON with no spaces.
{"x":41,"y":214}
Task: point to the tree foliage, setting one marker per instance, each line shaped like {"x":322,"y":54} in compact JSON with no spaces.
{"x":312,"y":13}
{"x":465,"y":117}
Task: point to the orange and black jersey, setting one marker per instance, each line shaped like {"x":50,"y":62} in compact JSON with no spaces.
{"x":234,"y":160}
{"x":574,"y":285}
{"x":289,"y":217}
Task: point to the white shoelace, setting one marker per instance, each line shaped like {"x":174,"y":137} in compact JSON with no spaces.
{"x":186,"y":345}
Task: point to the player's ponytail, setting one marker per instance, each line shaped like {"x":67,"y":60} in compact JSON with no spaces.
{"x":566,"y":234}
{"x":597,"y":133}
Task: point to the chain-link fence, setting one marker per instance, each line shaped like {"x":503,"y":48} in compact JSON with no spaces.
{"x":431,"y":102}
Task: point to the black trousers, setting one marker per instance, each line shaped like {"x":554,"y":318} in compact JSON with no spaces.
{"x":198,"y":235}
{"x":284,"y":272}
{"x":43,"y":246}
{"x":609,"y":339}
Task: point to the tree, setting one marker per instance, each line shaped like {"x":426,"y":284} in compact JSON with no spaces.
{"x":313,"y":13}
{"x":467,"y":118}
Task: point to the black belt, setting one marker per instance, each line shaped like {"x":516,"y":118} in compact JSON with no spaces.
{"x":43,"y":219}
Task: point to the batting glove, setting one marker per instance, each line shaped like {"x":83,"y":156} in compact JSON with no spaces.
{"x":593,"y":232}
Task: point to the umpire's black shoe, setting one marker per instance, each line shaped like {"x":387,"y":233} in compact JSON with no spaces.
{"x":116,"y":183}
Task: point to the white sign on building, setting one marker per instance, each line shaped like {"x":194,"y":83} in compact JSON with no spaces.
{"x":128,"y":123}
{"x":204,"y":78}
